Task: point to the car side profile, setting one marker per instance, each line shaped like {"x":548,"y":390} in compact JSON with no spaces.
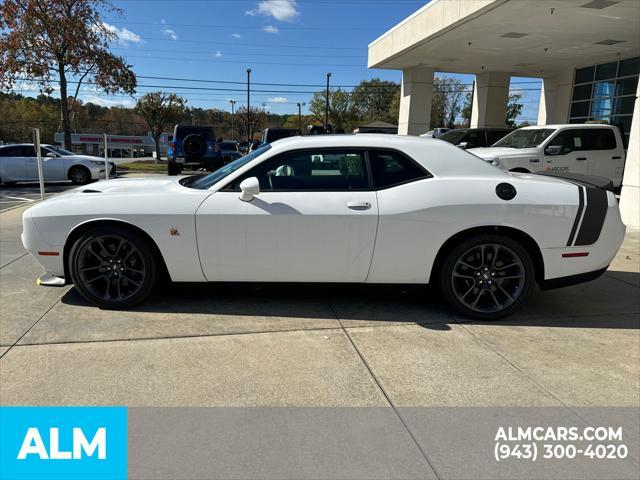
{"x":18,"y":163}
{"x":585,"y":149}
{"x":349,"y":209}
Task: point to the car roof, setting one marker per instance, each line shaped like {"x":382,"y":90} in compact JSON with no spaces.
{"x":25,"y":145}
{"x":573,"y":125}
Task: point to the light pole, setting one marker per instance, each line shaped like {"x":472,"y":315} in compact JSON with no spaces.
{"x":300,"y":105}
{"x":233,"y":104}
{"x":248,"y":104}
{"x":326,"y":108}
{"x":266,"y":111}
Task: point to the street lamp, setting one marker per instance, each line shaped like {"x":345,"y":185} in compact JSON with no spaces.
{"x":233,"y":104}
{"x":248,"y":104}
{"x":300,"y":105}
{"x":326,"y":108}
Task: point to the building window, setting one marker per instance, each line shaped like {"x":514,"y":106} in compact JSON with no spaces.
{"x":606,"y":93}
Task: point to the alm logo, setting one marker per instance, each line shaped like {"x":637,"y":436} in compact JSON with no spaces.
{"x":63,"y":443}
{"x":34,"y":445}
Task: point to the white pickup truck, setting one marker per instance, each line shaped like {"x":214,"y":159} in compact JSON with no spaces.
{"x":588,"y":149}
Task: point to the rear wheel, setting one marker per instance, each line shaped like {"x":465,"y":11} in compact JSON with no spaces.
{"x":487,"y":277}
{"x":79,"y":175}
{"x":113,"y":267}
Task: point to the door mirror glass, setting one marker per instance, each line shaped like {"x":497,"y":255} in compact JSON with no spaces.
{"x":553,"y":150}
{"x":249,"y":188}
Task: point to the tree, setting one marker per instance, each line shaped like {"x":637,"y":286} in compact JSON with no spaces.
{"x":62,"y":41}
{"x":514,"y":109}
{"x":446,"y":102}
{"x":342,"y":112}
{"x":160,"y":109}
{"x":374,"y":100}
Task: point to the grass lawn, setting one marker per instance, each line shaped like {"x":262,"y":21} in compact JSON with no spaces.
{"x":143,"y":166}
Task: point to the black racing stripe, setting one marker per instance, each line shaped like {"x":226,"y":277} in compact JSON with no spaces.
{"x":578,"y":215}
{"x":597,"y":205}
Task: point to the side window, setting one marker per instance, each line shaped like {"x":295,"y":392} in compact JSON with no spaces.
{"x":599,"y":139}
{"x":568,"y":140}
{"x":390,"y":168}
{"x":28,"y":151}
{"x":475,"y":139}
{"x":494,"y":135}
{"x":11,"y":151}
{"x":311,"y":170}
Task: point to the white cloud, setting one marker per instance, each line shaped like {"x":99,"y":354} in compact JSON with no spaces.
{"x":163,"y":21}
{"x":105,"y":102}
{"x":236,"y":35}
{"x":277,"y":100}
{"x":123,"y":34}
{"x":170,"y":33}
{"x":271,"y":29}
{"x":283,"y":10}
{"x":218,"y":54}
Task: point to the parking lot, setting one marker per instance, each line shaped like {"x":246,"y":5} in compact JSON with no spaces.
{"x":312,"y":345}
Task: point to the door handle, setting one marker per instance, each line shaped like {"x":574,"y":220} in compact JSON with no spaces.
{"x":581,"y":158}
{"x":359,"y":205}
{"x":534,"y":160}
{"x":617,"y":157}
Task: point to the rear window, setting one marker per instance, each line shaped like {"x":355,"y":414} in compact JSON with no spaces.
{"x":599,"y":139}
{"x":389,"y":168}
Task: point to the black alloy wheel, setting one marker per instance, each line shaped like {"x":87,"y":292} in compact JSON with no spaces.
{"x":487,"y":277}
{"x":113,"y":268}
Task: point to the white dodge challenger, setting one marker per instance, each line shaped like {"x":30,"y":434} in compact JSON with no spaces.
{"x":345,"y":208}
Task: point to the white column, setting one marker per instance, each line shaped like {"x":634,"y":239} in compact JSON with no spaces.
{"x":555,"y":98}
{"x":630,"y":196}
{"x":415,"y":101}
{"x":490,"y":97}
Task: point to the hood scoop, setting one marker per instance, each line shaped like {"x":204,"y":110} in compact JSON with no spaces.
{"x":88,"y":190}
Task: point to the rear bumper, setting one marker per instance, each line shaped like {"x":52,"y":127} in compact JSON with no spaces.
{"x":571,"y":280}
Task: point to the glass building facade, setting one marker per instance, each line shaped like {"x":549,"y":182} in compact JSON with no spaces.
{"x":606,"y":92}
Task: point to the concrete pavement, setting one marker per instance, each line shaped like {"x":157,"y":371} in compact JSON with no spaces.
{"x":218,"y":345}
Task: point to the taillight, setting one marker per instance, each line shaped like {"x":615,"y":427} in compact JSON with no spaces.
{"x":173,"y":146}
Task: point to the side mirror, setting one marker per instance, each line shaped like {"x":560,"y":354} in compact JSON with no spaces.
{"x":249,"y":188}
{"x":463,"y":145}
{"x":553,"y":150}
{"x":51,"y":155}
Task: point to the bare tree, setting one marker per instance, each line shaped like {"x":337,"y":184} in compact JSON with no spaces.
{"x":160,"y":109}
{"x":65,"y":41}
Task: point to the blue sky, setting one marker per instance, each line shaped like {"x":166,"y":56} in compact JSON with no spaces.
{"x":282,"y":41}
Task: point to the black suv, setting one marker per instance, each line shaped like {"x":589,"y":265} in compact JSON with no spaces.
{"x":474,"y":137}
{"x":190,"y":145}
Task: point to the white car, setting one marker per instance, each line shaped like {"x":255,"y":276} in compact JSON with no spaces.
{"x":389,"y":209}
{"x":436,"y":132}
{"x":18,"y":163}
{"x":586,"y":149}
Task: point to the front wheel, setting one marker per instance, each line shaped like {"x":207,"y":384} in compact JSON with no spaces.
{"x":79,"y":175}
{"x":113,"y":267}
{"x":487,"y":277}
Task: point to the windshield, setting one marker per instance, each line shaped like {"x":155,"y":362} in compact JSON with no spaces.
{"x":454,"y":136}
{"x":59,"y":150}
{"x":525,"y":138}
{"x":207,"y":181}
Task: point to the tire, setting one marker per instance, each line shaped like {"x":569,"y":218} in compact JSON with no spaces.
{"x":174,"y":168}
{"x":487,"y":277}
{"x":113,"y":267}
{"x":79,"y":175}
{"x":194,"y":147}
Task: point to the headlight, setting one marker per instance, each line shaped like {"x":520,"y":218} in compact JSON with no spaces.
{"x":96,"y":162}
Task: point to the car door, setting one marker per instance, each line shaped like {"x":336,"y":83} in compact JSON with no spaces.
{"x":568,"y":154}
{"x":314,"y":220}
{"x":52,"y":166}
{"x":12,"y":163}
{"x":604,"y":158}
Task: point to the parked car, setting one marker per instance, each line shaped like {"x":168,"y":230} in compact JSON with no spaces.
{"x":270,"y":135}
{"x":475,"y":137}
{"x":192,"y":145}
{"x":19,"y":163}
{"x":387,"y":209}
{"x":588,"y":149}
{"x":436,"y":132}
